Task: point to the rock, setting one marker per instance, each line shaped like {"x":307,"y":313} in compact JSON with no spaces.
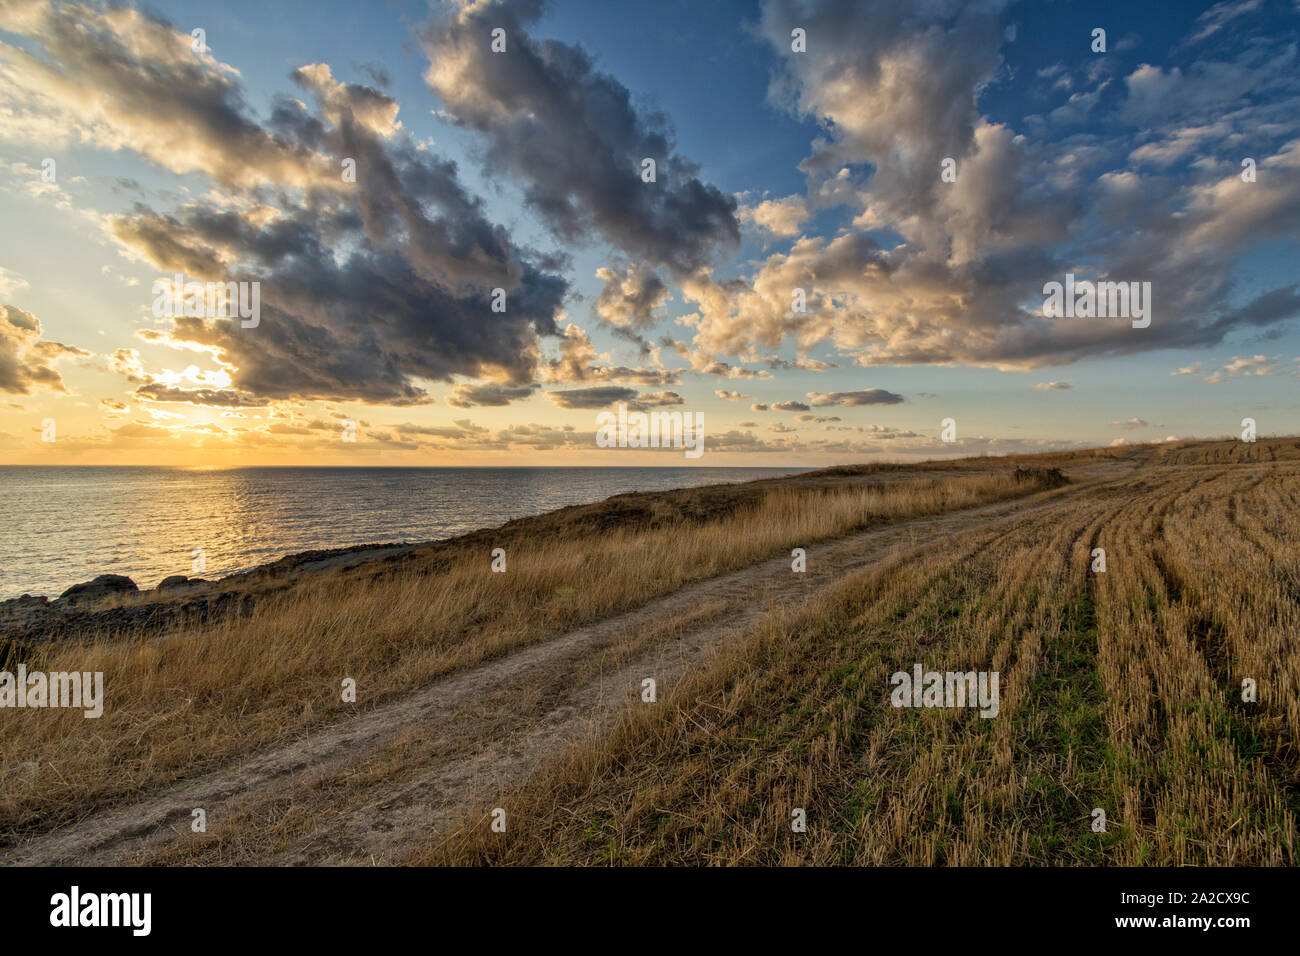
{"x":25,"y":610}
{"x":179,"y":582}
{"x":103,"y":586}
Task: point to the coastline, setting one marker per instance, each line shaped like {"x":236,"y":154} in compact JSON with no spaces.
{"x":115,"y":609}
{"x":68,"y":525}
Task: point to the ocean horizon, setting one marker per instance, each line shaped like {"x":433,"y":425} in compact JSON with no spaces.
{"x":69,"y":523}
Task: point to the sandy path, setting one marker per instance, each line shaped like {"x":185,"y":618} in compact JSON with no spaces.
{"x":362,"y":790}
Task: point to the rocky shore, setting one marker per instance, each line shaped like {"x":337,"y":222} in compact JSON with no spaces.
{"x":113,"y":604}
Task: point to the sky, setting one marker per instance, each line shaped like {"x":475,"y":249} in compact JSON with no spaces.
{"x":460,"y":258}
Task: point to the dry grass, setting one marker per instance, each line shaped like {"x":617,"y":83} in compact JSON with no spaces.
{"x":178,"y":706}
{"x":1119,"y":691}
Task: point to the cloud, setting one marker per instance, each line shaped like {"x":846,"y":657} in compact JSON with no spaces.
{"x":1131,"y":423}
{"x":491,"y":393}
{"x":577,"y":363}
{"x":376,"y":73}
{"x":26,"y":359}
{"x":367,"y":327}
{"x":218,"y":397}
{"x":543,"y":437}
{"x":1274,"y":306}
{"x":1255,"y":365}
{"x":341,"y":103}
{"x":1220,"y":15}
{"x":630,"y":296}
{"x":1249,"y":366}
{"x":410,"y":299}
{"x":701,"y":361}
{"x":10,"y":282}
{"x":1208,"y":88}
{"x":886,"y":75}
{"x":377,"y":290}
{"x":119,"y":78}
{"x":885,"y":432}
{"x":368,"y":289}
{"x":604,"y":396}
{"x":571,"y":137}
{"x":745,"y":441}
{"x":897,"y":90}
{"x":791,"y":407}
{"x":781,"y":217}
{"x":1178,"y":144}
{"x":868,"y":396}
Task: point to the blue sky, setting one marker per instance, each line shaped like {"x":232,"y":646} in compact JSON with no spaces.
{"x":817,"y":169}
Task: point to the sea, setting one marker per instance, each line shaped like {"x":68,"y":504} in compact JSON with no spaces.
{"x":63,"y":525}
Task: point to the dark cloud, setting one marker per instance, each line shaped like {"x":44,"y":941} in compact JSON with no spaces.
{"x":367,"y":288}
{"x":376,"y":73}
{"x":363,"y":328}
{"x":1281,"y":303}
{"x":867,"y":396}
{"x":200,"y":396}
{"x":571,"y":136}
{"x":599,"y":397}
{"x":490,"y":393}
{"x":604,"y":396}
